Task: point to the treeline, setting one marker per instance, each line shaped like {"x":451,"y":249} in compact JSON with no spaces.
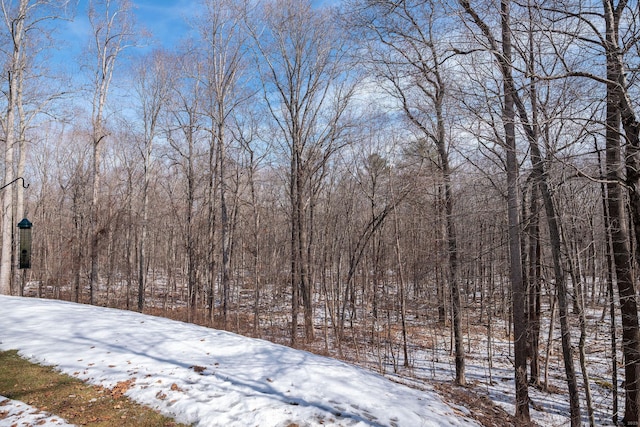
{"x":306,"y":169}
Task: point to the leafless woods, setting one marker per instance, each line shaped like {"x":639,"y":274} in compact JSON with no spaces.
{"x":347,"y":176}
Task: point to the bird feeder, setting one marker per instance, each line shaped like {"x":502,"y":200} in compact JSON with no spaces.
{"x":25,"y":243}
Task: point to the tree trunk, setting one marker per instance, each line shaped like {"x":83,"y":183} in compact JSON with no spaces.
{"x":612,"y":304}
{"x":574,"y":271}
{"x":15,"y":74}
{"x":619,"y":236}
{"x":307,"y":282}
{"x":549,"y":349}
{"x":93,"y":216}
{"x":110,"y":28}
{"x":453,"y":266}
{"x":534,"y":287}
{"x":295,"y":253}
{"x":515,"y":257}
{"x":541,"y":179}
{"x":7,"y":204}
{"x":142,"y":248}
{"x":224,"y":218}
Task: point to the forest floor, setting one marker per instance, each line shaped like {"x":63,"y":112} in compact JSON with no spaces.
{"x":480,"y":407}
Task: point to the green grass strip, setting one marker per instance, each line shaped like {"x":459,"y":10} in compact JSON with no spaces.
{"x":69,"y":398}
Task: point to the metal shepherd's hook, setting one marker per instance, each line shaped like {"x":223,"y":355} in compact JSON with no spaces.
{"x":24,"y":184}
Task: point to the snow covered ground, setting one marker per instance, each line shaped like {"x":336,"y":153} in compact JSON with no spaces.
{"x":16,"y":413}
{"x":206,"y":377}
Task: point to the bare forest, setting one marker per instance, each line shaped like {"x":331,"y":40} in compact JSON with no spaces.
{"x":402,"y":184}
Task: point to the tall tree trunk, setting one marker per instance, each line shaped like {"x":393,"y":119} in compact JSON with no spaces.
{"x":301,"y":239}
{"x":534,"y":287}
{"x":452,"y":252}
{"x":211,"y":223}
{"x":503,"y":55}
{"x":93,"y":215}
{"x":307,"y":282}
{"x":192,"y":290}
{"x":622,"y":260}
{"x":295,"y":253}
{"x":7,"y":202}
{"x":515,"y":256}
{"x":15,"y":75}
{"x":22,"y":160}
{"x":612,"y":303}
{"x":619,"y":235}
{"x":401,"y":287}
{"x":142,"y":248}
{"x":541,"y":179}
{"x":152,"y":87}
{"x":224,"y":218}
{"x":256,"y":244}
{"x":579,"y":301}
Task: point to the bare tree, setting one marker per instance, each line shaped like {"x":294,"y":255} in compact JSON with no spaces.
{"x":20,"y":20}
{"x":405,"y":54}
{"x":223,"y":36}
{"x":112,"y":32}
{"x":152,"y":86}
{"x":620,"y":112}
{"x":531,"y":128}
{"x":615,"y":32}
{"x":183,"y":130}
{"x":503,"y":55}
{"x":299,"y":58}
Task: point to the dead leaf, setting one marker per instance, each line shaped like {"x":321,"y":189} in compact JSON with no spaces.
{"x":121,"y":388}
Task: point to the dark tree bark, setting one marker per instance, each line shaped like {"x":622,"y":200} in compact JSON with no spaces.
{"x":503,"y":56}
{"x":621,"y":253}
{"x":612,"y":303}
{"x":615,"y":204}
{"x":515,"y":257}
{"x":534,"y":280}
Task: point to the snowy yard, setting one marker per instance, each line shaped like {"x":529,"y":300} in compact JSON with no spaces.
{"x":207,"y":377}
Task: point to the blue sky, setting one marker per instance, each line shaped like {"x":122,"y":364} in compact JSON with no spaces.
{"x":167,"y":20}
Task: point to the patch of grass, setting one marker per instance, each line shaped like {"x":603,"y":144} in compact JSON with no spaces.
{"x":67,"y":397}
